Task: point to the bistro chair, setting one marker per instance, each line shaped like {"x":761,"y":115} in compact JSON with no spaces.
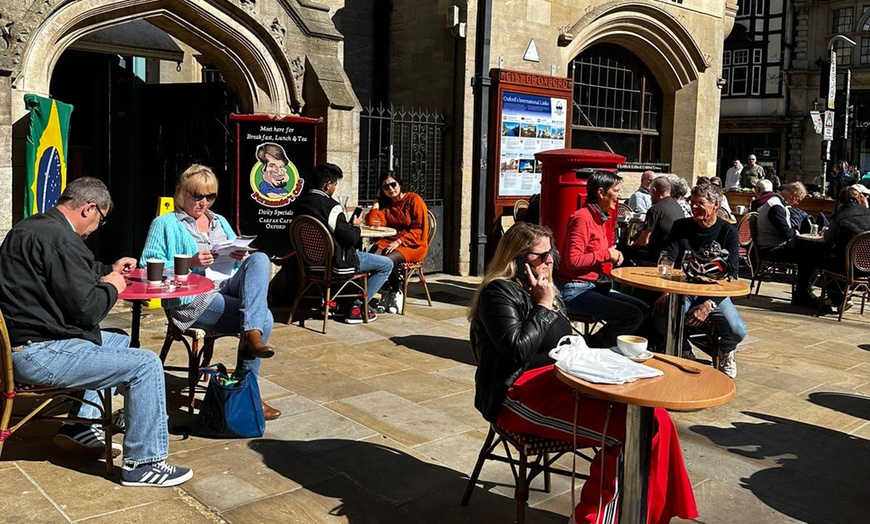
{"x":855,"y":278}
{"x":200,"y":349}
{"x":52,"y":400}
{"x":587,"y":322}
{"x":745,"y":239}
{"x":545,"y":453}
{"x":315,"y":250}
{"x":761,"y":266}
{"x":521,"y":206}
{"x":723,"y":213}
{"x":409,"y":269}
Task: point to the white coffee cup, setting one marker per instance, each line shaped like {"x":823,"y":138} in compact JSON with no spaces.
{"x":740,"y":210}
{"x":631,"y":345}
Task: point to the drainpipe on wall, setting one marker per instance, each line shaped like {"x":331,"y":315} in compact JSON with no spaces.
{"x":480,"y":84}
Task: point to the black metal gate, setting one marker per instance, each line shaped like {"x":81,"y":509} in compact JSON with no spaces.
{"x":413,"y":142}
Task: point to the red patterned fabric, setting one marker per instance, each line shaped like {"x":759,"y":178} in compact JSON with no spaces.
{"x":312,"y":242}
{"x":4,"y":434}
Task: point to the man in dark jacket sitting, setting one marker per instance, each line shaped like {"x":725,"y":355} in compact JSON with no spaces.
{"x":318,"y":203}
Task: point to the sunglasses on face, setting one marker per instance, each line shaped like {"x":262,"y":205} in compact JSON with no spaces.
{"x":542,"y":256}
{"x":390,"y":185}
{"x":210,"y":197}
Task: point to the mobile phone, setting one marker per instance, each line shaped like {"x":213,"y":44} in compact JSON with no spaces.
{"x":356,"y":213}
{"x":522,"y":275}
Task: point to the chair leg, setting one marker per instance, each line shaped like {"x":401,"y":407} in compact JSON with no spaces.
{"x":365,"y":298}
{"x":521,"y":494}
{"x":405,"y":282}
{"x":192,"y":372}
{"x":481,"y":458}
{"x":843,"y":303}
{"x":547,"y":479}
{"x":326,"y":298}
{"x":106,"y":398}
{"x":425,"y":285}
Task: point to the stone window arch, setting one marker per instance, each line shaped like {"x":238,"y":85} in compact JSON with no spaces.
{"x":617,"y":104}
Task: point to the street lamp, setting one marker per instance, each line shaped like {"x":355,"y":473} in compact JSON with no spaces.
{"x":828,"y":132}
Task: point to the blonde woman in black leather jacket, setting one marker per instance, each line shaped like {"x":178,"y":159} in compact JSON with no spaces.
{"x":516,"y":318}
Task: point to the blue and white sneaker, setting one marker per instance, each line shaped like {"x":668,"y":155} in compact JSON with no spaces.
{"x":155,"y":475}
{"x":84,"y":439}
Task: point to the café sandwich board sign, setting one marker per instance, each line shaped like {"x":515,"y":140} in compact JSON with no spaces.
{"x":273,"y":158}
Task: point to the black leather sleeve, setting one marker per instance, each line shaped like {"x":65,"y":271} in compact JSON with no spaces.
{"x":515,"y":326}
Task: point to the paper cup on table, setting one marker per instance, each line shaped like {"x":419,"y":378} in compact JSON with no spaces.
{"x":182,"y":267}
{"x":155,"y":271}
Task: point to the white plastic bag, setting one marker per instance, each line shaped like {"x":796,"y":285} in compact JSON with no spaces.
{"x":598,"y":365}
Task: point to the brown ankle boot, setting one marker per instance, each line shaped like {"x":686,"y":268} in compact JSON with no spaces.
{"x":270,"y":413}
{"x":254,"y":345}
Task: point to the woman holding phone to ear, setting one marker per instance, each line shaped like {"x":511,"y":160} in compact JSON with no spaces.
{"x":516,"y":317}
{"x":405,"y":212}
{"x":581,"y":278}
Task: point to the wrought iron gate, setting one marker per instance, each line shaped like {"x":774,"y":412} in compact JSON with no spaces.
{"x":413,"y":140}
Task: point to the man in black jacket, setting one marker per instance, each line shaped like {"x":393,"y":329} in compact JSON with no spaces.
{"x":53,"y":295}
{"x":318,"y":203}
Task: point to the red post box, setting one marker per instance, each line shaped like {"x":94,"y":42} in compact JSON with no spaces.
{"x":563,"y":185}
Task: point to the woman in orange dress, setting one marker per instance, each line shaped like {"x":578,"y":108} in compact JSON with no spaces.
{"x":405,"y":212}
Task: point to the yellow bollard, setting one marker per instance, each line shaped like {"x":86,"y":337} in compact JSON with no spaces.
{"x":164,"y":205}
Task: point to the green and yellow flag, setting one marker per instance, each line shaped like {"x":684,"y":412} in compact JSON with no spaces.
{"x":46,"y":152}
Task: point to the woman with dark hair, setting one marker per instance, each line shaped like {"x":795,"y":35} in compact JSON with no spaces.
{"x":851,"y":218}
{"x":516,"y":317}
{"x":581,"y":276}
{"x":405,"y":212}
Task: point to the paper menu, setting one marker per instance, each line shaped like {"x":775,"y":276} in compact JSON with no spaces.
{"x":224,"y":264}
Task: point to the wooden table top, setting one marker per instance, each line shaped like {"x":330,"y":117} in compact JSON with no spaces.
{"x":675,"y":390}
{"x":380,"y":232}
{"x":649,"y":279}
{"x":138,"y":288}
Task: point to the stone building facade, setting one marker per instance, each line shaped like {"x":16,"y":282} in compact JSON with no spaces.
{"x":321,"y":58}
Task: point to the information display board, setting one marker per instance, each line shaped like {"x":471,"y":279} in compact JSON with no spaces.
{"x":273,"y":157}
{"x":529,"y":113}
{"x":529,"y":124}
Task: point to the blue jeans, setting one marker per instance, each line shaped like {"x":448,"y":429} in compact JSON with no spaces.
{"x":241,"y":305}
{"x":379,"y":268}
{"x":77,"y":363}
{"x":725,"y":317}
{"x":622,"y":314}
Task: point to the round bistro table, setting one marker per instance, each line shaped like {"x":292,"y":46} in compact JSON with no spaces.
{"x":138,"y":291}
{"x":675,"y":284}
{"x":676,"y":390}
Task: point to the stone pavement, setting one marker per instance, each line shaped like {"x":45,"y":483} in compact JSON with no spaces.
{"x":379,"y":427}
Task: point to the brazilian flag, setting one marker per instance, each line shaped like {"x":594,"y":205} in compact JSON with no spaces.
{"x":46,"y":152}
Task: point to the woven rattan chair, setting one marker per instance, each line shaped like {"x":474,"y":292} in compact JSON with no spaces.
{"x":543,"y":452}
{"x":745,"y":238}
{"x":200,"y":349}
{"x":855,"y":277}
{"x":52,"y":400}
{"x":315,"y":251}
{"x":409,"y":269}
{"x":520,"y":208}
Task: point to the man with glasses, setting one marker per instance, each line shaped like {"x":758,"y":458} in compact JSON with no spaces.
{"x":640,"y":201}
{"x":53,"y":295}
{"x":699,"y":232}
{"x":777,"y":241}
{"x":320,"y":204}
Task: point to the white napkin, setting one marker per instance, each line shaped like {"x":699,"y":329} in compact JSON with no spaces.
{"x":598,"y":365}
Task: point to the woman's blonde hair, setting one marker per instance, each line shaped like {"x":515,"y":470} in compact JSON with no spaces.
{"x":519,"y":240}
{"x":195,"y":179}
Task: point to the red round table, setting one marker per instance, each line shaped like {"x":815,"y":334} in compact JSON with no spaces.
{"x":139,"y":290}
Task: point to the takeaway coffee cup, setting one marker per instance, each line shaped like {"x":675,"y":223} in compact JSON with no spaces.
{"x":182,"y":267}
{"x":155,"y":271}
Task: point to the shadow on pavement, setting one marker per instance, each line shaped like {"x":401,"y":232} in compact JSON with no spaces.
{"x":378,"y":484}
{"x":855,"y":405}
{"x":456,"y":349}
{"x":821,"y":474}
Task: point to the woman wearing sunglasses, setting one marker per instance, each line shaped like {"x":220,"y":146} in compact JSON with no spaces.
{"x":581,"y":277}
{"x":405,"y":212}
{"x":516,"y":317}
{"x":236,"y":305}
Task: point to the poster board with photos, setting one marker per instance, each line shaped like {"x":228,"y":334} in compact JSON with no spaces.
{"x":273,"y":157}
{"x":529,"y":113}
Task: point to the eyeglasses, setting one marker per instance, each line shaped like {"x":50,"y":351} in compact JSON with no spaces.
{"x":210,"y":197}
{"x":390,"y":185}
{"x":102,"y":216}
{"x":542,"y":256}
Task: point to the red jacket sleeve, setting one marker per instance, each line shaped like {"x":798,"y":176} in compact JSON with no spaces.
{"x":576,"y":255}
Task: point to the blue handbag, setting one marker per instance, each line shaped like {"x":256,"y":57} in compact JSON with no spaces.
{"x":232,"y":406}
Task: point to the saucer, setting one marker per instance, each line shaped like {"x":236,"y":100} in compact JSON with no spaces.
{"x":646,"y":355}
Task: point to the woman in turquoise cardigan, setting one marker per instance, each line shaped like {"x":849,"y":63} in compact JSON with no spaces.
{"x":236,"y":305}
